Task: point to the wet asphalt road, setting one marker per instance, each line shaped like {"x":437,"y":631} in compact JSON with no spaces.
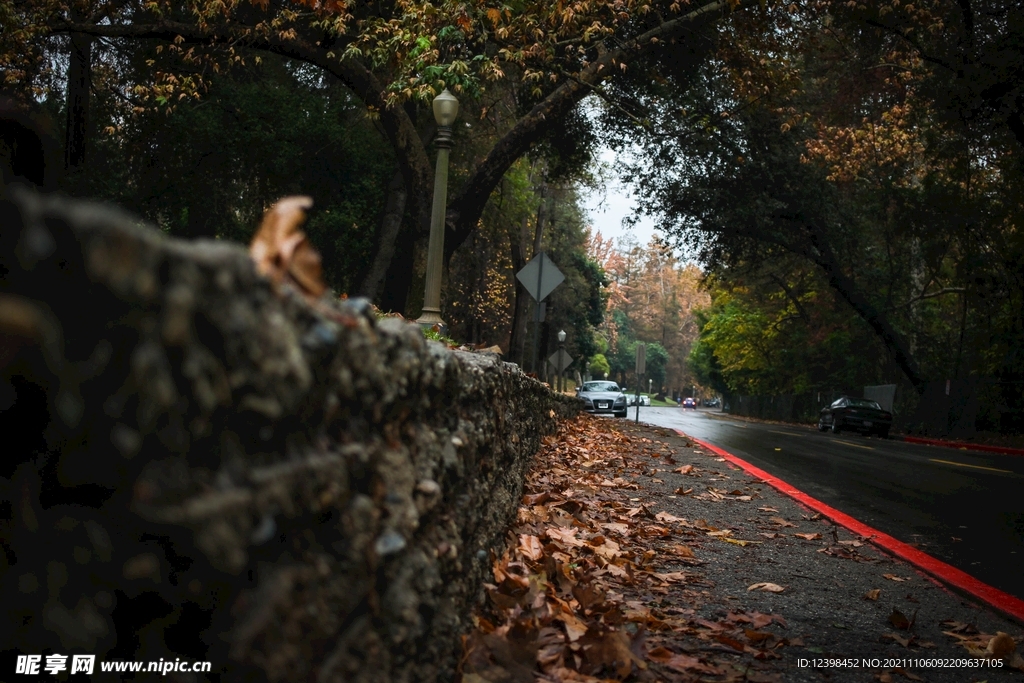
{"x":965,"y":508}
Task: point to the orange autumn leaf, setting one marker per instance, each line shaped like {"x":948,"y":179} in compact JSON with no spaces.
{"x":677,"y":662}
{"x":281,"y":250}
{"x":531,"y":547}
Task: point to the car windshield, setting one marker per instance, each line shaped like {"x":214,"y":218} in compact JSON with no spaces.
{"x":863,"y":403}
{"x":600,"y":386}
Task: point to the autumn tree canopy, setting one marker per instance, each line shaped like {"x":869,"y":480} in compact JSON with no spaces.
{"x":878,"y":143}
{"x":652,"y":297}
{"x":519,"y":69}
{"x":875,"y":148}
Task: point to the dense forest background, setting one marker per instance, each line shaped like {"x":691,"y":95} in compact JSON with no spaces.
{"x":839,"y":184}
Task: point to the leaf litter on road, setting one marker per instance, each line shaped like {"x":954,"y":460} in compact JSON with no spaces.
{"x":605,"y":576}
{"x":572,"y":592}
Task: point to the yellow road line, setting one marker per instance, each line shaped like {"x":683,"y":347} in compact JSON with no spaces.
{"x":855,"y":445}
{"x":977,"y":467}
{"x":786,"y":433}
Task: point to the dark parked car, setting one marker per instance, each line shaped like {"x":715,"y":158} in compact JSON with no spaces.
{"x":689,"y":403}
{"x":858,"y":414}
{"x":603,"y":397}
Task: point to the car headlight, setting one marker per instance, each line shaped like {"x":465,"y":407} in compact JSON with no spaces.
{"x":620,"y":399}
{"x":587,"y":401}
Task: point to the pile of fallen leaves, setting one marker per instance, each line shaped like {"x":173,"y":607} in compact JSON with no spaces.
{"x":595,"y":585}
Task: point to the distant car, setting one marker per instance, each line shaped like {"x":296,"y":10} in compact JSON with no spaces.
{"x":855,"y":414}
{"x":712,"y":403}
{"x":603,"y":397}
{"x":690,"y":403}
{"x":632,"y":398}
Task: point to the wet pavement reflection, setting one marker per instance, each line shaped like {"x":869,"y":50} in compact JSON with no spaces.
{"x":965,"y":508}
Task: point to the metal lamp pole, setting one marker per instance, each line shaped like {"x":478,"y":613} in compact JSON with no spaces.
{"x":561,"y":354}
{"x":446,"y":108}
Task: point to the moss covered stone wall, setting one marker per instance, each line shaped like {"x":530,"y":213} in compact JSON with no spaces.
{"x":196,"y":465}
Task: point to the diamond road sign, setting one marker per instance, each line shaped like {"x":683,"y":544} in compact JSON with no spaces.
{"x":560,"y":360}
{"x":540,"y":276}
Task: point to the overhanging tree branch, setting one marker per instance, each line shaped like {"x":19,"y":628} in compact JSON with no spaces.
{"x":396,"y":123}
{"x":467,"y":206}
{"x":823,"y":256}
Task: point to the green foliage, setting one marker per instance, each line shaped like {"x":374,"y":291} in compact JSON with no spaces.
{"x":599,"y":366}
{"x":859,"y":206}
{"x":656,"y":363}
{"x":570,"y":147}
{"x":706,"y":369}
{"x":757,"y":339}
{"x":435,"y":335}
{"x":622,"y":359}
{"x":210,"y":167}
{"x":481,"y":286}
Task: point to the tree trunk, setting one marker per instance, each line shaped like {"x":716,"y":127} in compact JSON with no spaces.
{"x":202,"y":218}
{"x":397,"y":285}
{"x":521,"y":308}
{"x":391,"y":225}
{"x":537,"y":362}
{"x":28,"y":149}
{"x":844,"y":285}
{"x":78,"y":90}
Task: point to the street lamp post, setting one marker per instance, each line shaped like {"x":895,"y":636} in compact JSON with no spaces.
{"x":561,"y":353}
{"x":446,"y":108}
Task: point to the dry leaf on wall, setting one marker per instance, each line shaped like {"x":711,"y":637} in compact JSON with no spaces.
{"x":281,"y":250}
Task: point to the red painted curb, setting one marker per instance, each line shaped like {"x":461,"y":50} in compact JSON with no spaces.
{"x":1003,"y":602}
{"x":965,"y":445}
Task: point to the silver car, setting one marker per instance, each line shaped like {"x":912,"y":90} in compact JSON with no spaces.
{"x":603,"y":397}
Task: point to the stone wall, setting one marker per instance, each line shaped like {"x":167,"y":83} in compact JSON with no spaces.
{"x":198,"y":466}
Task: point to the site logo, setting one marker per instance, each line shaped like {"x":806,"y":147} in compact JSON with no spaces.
{"x":55,"y":664}
{"x":34,"y":665}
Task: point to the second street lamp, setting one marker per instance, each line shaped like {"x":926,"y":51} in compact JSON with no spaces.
{"x":446,"y":108}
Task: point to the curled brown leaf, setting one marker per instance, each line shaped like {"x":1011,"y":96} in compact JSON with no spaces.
{"x":281,"y":250}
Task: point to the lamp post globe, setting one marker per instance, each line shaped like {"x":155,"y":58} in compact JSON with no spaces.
{"x":446,"y":109}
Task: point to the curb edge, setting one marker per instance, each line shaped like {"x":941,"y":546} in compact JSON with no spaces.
{"x":964,"y":446}
{"x":957,"y":578}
